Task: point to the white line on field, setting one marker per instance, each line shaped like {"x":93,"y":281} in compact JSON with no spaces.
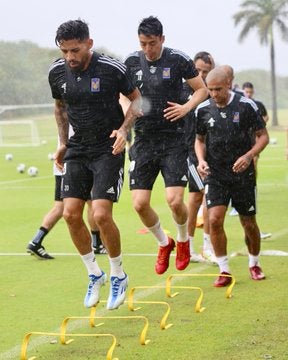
{"x":9,"y":182}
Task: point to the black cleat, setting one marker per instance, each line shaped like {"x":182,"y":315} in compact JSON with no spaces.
{"x":39,"y":251}
{"x":99,"y":249}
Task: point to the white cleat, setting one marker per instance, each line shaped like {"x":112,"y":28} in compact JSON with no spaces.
{"x":196,"y":258}
{"x":93,"y":292}
{"x":209,"y":256}
{"x":118,"y":289}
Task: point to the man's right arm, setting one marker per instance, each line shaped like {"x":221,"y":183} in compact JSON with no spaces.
{"x":63,"y":131}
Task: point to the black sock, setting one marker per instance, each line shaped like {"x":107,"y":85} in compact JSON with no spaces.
{"x":40,"y":235}
{"x":96,"y":240}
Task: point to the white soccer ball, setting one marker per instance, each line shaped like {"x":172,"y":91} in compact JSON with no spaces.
{"x":273,"y":141}
{"x":21,"y":168}
{"x":51,"y":156}
{"x":9,"y":157}
{"x":32,"y":171}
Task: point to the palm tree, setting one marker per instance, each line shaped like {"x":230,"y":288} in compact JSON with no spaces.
{"x":264,"y":16}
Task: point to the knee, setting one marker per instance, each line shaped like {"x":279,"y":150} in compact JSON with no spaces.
{"x":140,"y":205}
{"x":101,"y":216}
{"x":175,"y":203}
{"x":215,"y":222}
{"x":72,"y":217}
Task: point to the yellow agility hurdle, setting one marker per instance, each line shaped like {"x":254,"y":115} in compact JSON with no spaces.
{"x":198,"y":307}
{"x":163,"y":325}
{"x":228,"y":293}
{"x":63,"y":327}
{"x":109,"y":355}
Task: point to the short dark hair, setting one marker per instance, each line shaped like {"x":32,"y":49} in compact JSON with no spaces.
{"x":204,"y":56}
{"x":150,"y":26}
{"x":247,"y":84}
{"x":72,"y":29}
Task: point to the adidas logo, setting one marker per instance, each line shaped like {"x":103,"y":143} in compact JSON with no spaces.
{"x":184,"y":178}
{"x":110,"y":191}
{"x":251,"y":208}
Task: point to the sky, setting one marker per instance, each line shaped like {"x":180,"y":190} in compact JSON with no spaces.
{"x":189,"y":26}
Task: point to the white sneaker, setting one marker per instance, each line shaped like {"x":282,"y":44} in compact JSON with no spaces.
{"x":265,"y":235}
{"x":233,"y":212}
{"x":118,"y":288}
{"x":195,"y":258}
{"x":93,"y":292}
{"x":209,"y":256}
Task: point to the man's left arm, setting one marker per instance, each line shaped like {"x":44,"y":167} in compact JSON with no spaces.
{"x":262,"y":139}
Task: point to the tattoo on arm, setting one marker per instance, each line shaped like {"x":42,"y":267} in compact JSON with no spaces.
{"x":62,"y":121}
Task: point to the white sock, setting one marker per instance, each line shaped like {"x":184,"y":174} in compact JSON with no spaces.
{"x":182,"y":234}
{"x":253,"y":260}
{"x":207,"y":242}
{"x":116,"y":268}
{"x":200,"y":211}
{"x":222,"y":262}
{"x":191,"y":243}
{"x":91,"y":264}
{"x":158,"y":232}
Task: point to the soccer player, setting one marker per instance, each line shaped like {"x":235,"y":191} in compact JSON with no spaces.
{"x":248,"y":89}
{"x":86,"y":88}
{"x":204,"y":63}
{"x":225,"y":151}
{"x":159,"y":143}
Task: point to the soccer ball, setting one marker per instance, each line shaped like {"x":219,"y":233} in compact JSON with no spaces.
{"x":21,"y":168}
{"x":32,"y":171}
{"x":51,"y":156}
{"x":9,"y":157}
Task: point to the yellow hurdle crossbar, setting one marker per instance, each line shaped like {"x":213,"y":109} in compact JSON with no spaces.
{"x":109,"y":355}
{"x":228,"y":293}
{"x":163,"y":325}
{"x":198,"y":307}
{"x":143,"y":340}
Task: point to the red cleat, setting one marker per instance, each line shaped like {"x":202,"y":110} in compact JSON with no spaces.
{"x":256,"y":273}
{"x":222,"y":281}
{"x":164,"y":252}
{"x":183,"y":255}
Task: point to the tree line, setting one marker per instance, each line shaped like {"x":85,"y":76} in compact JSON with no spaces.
{"x":24,"y":76}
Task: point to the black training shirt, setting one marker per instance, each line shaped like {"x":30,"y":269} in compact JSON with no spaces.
{"x":160,"y":81}
{"x":229,"y":131}
{"x":92,"y":97}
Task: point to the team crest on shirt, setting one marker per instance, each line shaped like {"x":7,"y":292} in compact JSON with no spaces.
{"x":211,"y":122}
{"x":95,"y":85}
{"x":236,"y":117}
{"x":166,"y":73}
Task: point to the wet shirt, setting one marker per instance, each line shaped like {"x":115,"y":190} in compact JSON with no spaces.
{"x":261,"y":107}
{"x":229,"y":132}
{"x":92,"y":98}
{"x":160,"y":81}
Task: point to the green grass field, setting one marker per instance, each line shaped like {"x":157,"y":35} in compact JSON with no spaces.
{"x":37,"y":295}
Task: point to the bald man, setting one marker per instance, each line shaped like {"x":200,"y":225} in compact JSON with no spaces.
{"x":225,"y":151}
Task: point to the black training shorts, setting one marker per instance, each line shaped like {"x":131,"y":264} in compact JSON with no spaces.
{"x":101,"y":177}
{"x":242,"y":193}
{"x":151,"y":155}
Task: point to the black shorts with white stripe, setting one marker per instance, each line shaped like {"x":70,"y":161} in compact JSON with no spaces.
{"x":194,"y":179}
